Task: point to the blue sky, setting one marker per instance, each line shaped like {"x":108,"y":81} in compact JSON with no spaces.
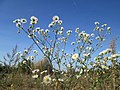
{"x":74,"y":13}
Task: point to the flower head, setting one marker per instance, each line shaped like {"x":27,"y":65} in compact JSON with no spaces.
{"x":38,"y":28}
{"x":47,"y":79}
{"x":92,"y":35}
{"x":32,"y":57}
{"x":23,"y":20}
{"x":16,"y":21}
{"x":115,"y":55}
{"x":68,"y":65}
{"x":59,"y":22}
{"x":77,"y":30}
{"x":75,"y":56}
{"x":35,"y":51}
{"x":96,"y":23}
{"x":35,"y":76}
{"x":108,"y":28}
{"x":73,"y":43}
{"x":24,"y":62}
{"x":55,"y":18}
{"x":104,"y":67}
{"x":18,"y":24}
{"x":104,"y":25}
{"x":36,"y":70}
{"x":60,"y":80}
{"x":26,"y":51}
{"x":61,"y":28}
{"x":34,"y":20}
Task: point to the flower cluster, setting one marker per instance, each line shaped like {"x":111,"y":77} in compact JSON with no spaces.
{"x":52,"y":43}
{"x":104,"y":52}
{"x":35,"y":73}
{"x":55,"y":21}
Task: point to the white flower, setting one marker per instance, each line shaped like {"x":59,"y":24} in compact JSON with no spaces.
{"x":101,"y":29}
{"x":34,"y":30}
{"x":61,"y":28}
{"x":36,"y":70}
{"x":62,"y":50}
{"x":28,"y":58}
{"x":35,"y":51}
{"x":35,"y":76}
{"x":50,"y":25}
{"x":55,"y":18}
{"x":59,"y":22}
{"x":23,"y":20}
{"x":73,"y":43}
{"x":104,"y":67}
{"x":109,"y":58}
{"x":32,"y":57}
{"x":62,"y":72}
{"x":97,"y":28}
{"x":47,"y":79}
{"x":78,"y":76}
{"x":24,"y":62}
{"x":53,"y":22}
{"x":18,"y":24}
{"x":60,"y":32}
{"x":18,"y":53}
{"x":38,"y":28}
{"x":61,"y":80}
{"x":115,"y":55}
{"x":97,"y":38}
{"x":108,"y":28}
{"x":81,"y":34}
{"x":47,"y":30}
{"x":75,"y":56}
{"x":40,"y":31}
{"x":53,"y":79}
{"x":92,"y":35}
{"x":109,"y":50}
{"x":85,"y":39}
{"x":103,"y":52}
{"x":53,"y":70}
{"x":86,"y":55}
{"x":96,"y":23}
{"x":87,"y":35}
{"x":43,"y":72}
{"x":104,"y":25}
{"x":67,"y":54}
{"x":81,"y":71}
{"x":68,"y":65}
{"x":26,"y":51}
{"x":95,"y":58}
{"x":69,"y":32}
{"x":77,"y":30}
{"x":16,"y":21}
{"x":89,"y":48}
{"x":34,"y":20}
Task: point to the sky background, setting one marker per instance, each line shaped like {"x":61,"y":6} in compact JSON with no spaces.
{"x":74,"y":13}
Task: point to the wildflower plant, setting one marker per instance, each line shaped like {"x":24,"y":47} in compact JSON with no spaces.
{"x":52,"y":43}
